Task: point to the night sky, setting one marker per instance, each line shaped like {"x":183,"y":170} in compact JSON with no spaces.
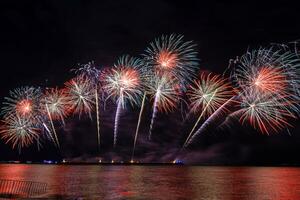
{"x":40,"y":41}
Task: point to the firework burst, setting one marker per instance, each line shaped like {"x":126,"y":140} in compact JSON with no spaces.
{"x":170,"y":55}
{"x":122,"y":83}
{"x":55,"y":105}
{"x":80,"y":95}
{"x":19,"y":131}
{"x":268,"y":71}
{"x":57,"y":102}
{"x":269,"y":84}
{"x":264,"y":112}
{"x":22,"y":101}
{"x":206,"y":95}
{"x":90,"y":72}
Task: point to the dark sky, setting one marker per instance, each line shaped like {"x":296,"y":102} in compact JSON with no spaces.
{"x":40,"y":41}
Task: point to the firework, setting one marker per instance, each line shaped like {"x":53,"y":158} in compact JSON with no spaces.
{"x":269,"y":84}
{"x":206,"y":95}
{"x":80,"y":94}
{"x":269,"y":71}
{"x":164,"y":91}
{"x":55,"y":104}
{"x":19,"y":131}
{"x":92,"y":73}
{"x":264,"y":112}
{"x":123,"y":84}
{"x":23,"y":101}
{"x":145,"y":76}
{"x":22,"y":106}
{"x":170,"y":55}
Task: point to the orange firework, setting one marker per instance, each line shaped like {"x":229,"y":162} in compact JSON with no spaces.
{"x":24,"y":107}
{"x":171,"y":55}
{"x":129,"y":79}
{"x":23,"y":102}
{"x":122,"y":83}
{"x":166,"y":61}
{"x":270,"y":80}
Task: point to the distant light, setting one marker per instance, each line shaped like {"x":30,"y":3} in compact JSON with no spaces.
{"x":48,"y":161}
{"x":176,"y":161}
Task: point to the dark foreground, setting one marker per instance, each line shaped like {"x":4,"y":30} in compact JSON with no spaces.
{"x":158,"y":182}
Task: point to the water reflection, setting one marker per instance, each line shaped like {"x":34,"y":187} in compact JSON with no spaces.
{"x":160,"y":182}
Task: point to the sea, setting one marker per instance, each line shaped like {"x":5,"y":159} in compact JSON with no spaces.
{"x":170,"y":182}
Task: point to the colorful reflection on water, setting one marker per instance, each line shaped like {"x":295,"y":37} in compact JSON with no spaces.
{"x":159,"y":182}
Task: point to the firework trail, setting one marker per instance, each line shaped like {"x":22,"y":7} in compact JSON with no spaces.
{"x":92,"y":74}
{"x":208,"y":94}
{"x":56,"y":105}
{"x":145,"y":75}
{"x":199,"y":118}
{"x":117,"y":119}
{"x":164,"y":90}
{"x":53,"y":128}
{"x":138,"y":125}
{"x":154,"y":111}
{"x":49,"y":133}
{"x":211,"y":118}
{"x":98,"y":118}
{"x":123,"y":83}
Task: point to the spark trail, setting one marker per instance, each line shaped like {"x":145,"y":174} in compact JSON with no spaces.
{"x":154,"y":112}
{"x":117,"y":118}
{"x":198,"y":120}
{"x":138,"y":126}
{"x":97,"y":116}
{"x":210,"y":119}
{"x":52,"y":125}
